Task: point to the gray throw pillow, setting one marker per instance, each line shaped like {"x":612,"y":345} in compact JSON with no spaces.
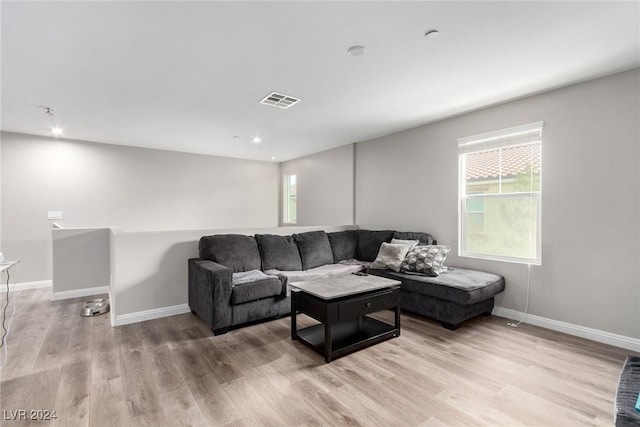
{"x":343,"y":244}
{"x":428,"y":260}
{"x":235,"y":251}
{"x":369,"y":243}
{"x":422,"y":238}
{"x":279,"y":252}
{"x":314,"y":248}
{"x":390,"y":256}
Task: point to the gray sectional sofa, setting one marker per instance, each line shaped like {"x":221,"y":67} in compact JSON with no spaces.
{"x":241,"y":279}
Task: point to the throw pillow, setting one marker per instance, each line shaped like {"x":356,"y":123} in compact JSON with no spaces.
{"x":235,"y":251}
{"x":423,"y":238}
{"x":410,"y":243}
{"x":428,"y":260}
{"x":314,"y":248}
{"x":279,"y":252}
{"x":343,"y":244}
{"x":369,"y":243}
{"x":390,"y":256}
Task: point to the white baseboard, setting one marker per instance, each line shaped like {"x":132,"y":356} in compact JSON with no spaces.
{"x":156,"y":313}
{"x":621,"y":341}
{"x":26,"y":285}
{"x":77,"y":293}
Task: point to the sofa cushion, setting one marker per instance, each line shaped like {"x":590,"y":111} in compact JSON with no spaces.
{"x":315,"y":249}
{"x":327,"y":270}
{"x":235,"y":251}
{"x":458,"y":285}
{"x":369,"y":243}
{"x":390,"y":256}
{"x":279,"y":252}
{"x":248,"y":276}
{"x":426,"y":259}
{"x":422,"y":238}
{"x":343,"y":244}
{"x":246,"y":291}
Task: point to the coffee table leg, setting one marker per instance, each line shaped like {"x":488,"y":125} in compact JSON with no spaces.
{"x":398,"y":320}
{"x":294,"y":313}
{"x":327,"y":343}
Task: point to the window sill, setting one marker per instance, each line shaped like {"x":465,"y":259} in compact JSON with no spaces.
{"x":502,"y":259}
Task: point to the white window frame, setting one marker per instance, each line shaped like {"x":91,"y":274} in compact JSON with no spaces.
{"x":520,"y":135}
{"x":286,"y":198}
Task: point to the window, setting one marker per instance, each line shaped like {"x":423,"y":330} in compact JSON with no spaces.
{"x":289,"y":198}
{"x":500,"y":194}
{"x":475,"y":214}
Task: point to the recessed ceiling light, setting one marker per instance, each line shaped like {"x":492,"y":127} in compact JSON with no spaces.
{"x":57,"y":131}
{"x":432,"y":34}
{"x":273,"y":157}
{"x":357,"y":50}
{"x":257,"y":140}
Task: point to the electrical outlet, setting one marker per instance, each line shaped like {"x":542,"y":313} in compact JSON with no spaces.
{"x":54,"y":215}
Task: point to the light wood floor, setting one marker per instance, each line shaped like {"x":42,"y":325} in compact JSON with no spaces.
{"x":173,"y":372}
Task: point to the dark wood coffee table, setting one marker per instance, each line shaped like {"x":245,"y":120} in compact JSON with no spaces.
{"x":341,"y":305}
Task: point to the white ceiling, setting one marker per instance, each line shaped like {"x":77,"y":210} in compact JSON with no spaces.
{"x":187,"y":76}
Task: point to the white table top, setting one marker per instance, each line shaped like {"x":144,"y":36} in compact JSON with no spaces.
{"x":5,"y":265}
{"x":344,"y":285}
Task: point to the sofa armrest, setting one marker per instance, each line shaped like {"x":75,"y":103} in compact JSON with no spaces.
{"x":210,"y":293}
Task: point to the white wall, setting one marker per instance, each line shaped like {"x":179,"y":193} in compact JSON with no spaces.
{"x":149,"y":273}
{"x":81,"y":262}
{"x":590,"y":205}
{"x":134,"y":188}
{"x":325,"y":185}
{"x":1,"y":173}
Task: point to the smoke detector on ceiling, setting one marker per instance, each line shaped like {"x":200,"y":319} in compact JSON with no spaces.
{"x":279,"y":100}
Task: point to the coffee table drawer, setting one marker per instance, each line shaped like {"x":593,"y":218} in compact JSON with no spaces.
{"x":357,"y":307}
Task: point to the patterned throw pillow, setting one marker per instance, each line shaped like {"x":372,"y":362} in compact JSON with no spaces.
{"x":390,"y":256}
{"x":428,"y":260}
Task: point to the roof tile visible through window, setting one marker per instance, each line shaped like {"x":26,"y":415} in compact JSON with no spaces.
{"x":515,"y":160}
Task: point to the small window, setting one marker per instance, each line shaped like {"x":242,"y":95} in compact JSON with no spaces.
{"x":500,"y":194}
{"x":289,"y":199}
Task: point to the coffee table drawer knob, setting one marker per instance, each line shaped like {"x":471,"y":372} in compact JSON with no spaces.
{"x":368,"y":304}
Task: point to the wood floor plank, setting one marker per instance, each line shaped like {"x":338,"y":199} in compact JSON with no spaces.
{"x":72,"y":398}
{"x":164,"y":369}
{"x":105,"y":365}
{"x":173,"y":371}
{"x":181,"y":409}
{"x":140,"y":392}
{"x":108,"y":404}
{"x":213,"y":401}
{"x":36,"y":391}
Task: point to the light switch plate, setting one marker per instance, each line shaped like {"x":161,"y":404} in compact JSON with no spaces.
{"x":54,"y":215}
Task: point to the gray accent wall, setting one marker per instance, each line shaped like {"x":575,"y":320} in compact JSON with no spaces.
{"x":590,"y":205}
{"x":136,"y":189}
{"x":325,"y":186}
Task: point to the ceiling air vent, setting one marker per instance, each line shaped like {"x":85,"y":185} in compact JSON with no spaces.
{"x":279,"y":100}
